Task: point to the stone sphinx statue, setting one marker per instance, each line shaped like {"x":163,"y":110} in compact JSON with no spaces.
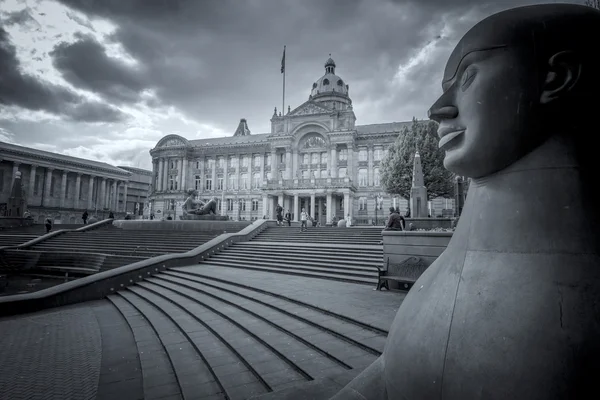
{"x":197,"y":207}
{"x":511,"y":309}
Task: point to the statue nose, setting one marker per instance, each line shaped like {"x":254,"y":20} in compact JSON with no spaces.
{"x":440,"y":113}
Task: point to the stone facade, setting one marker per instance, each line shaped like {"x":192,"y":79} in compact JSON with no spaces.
{"x":61,"y":187}
{"x":315,"y":157}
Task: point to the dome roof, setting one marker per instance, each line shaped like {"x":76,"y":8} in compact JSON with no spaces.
{"x":330,"y":82}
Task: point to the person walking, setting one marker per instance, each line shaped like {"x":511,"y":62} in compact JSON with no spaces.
{"x":48,"y":224}
{"x":288,"y":217}
{"x":303,"y":219}
{"x":84,"y":217}
{"x":279,"y":212}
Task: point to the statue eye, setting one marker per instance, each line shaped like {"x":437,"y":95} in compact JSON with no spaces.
{"x":467,"y":78}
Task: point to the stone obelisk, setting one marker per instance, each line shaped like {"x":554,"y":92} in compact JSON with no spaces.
{"x":418,"y":191}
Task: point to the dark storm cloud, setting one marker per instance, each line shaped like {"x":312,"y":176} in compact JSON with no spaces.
{"x":26,"y":91}
{"x":17,"y":17}
{"x":84,"y":64}
{"x":218,"y":60}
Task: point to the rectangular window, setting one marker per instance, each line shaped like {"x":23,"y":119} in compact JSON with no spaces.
{"x":209,"y":183}
{"x":172,"y":182}
{"x":362,"y":177}
{"x":229,"y":204}
{"x":324,"y":158}
{"x":315,"y":158}
{"x":198,"y":182}
{"x":341,"y":204}
{"x":172,"y":205}
{"x":257,"y":161}
{"x":243,"y":205}
{"x":378,"y":154}
{"x":281,"y":158}
{"x":220,"y":183}
{"x":197,"y":164}
{"x":305,"y":158}
{"x":254,"y":205}
{"x":232,"y":182}
{"x":256,"y":181}
{"x":244,"y":182}
{"x":342,"y":173}
{"x":343,"y":155}
{"x":376,"y":179}
{"x":323,"y":173}
{"x":221,"y":162}
{"x":362,"y":155}
{"x":305,"y":174}
{"x":362,"y":203}
{"x":233,"y":162}
{"x":246,"y":161}
{"x":268,"y":160}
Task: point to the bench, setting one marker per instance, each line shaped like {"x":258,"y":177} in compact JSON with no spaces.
{"x":405,"y":273}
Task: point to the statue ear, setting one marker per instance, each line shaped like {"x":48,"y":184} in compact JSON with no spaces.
{"x":562,"y":76}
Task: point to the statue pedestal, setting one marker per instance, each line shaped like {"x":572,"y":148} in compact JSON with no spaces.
{"x":195,"y":217}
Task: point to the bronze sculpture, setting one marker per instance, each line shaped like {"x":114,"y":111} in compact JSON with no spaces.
{"x":511,"y":309}
{"x":198,"y":207}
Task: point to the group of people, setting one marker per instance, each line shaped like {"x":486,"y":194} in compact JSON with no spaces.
{"x":287,"y":218}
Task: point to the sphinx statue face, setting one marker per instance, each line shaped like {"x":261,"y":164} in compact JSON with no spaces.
{"x":487,"y":110}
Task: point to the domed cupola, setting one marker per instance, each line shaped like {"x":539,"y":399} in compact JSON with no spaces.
{"x":331,"y":89}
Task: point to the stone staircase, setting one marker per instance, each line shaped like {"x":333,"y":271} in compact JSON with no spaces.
{"x":358,"y":236}
{"x":326,"y":253}
{"x":203,"y":337}
{"x":16,"y":236}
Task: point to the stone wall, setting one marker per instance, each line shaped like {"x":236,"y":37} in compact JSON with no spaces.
{"x":12,"y":222}
{"x":399,"y":245}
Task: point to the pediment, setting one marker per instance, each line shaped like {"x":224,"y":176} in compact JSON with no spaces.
{"x":310,"y":108}
{"x":172,"y":141}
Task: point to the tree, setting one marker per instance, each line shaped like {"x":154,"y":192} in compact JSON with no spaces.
{"x":397,"y":166}
{"x":593,"y":3}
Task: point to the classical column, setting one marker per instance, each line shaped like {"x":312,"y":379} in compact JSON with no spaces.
{"x":125,"y":196}
{"x":288,"y":163}
{"x":159,"y":183}
{"x":370,"y":170}
{"x":31,"y":181}
{"x":329,"y":208}
{"x":202,"y":177}
{"x":274,"y":172}
{"x":350,"y":163}
{"x":294,"y":164}
{"x":90,"y":205}
{"x":296,"y":205}
{"x":63,"y":189}
{"x":166,"y":185}
{"x":312,"y":205}
{"x":14,"y":174}
{"x":102,"y":200}
{"x":333,"y":162}
{"x":262,"y":169}
{"x":350,"y":206}
{"x":47,"y":187}
{"x":184,"y":174}
{"x":116,"y":196}
{"x":214,"y":175}
{"x":265,"y":204}
{"x":346,"y":204}
{"x":238,"y":172}
{"x":77,"y":189}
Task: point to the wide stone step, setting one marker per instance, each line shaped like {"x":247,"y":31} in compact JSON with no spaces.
{"x":198,"y":338}
{"x":304,"y":256}
{"x":124,"y":250}
{"x":317,"y":248}
{"x":368,"y":269}
{"x":13,"y":240}
{"x":312,"y":272}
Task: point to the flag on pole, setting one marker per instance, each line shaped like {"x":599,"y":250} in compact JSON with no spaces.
{"x":283,"y":61}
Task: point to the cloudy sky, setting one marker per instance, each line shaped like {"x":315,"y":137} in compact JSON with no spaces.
{"x":106,"y":79}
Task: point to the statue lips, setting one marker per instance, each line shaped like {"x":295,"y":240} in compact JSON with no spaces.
{"x":447,"y":134}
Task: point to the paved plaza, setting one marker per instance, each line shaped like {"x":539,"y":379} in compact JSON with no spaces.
{"x":190,"y":333}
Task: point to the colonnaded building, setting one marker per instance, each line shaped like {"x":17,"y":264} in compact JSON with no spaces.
{"x":315,"y":157}
{"x":61,"y":187}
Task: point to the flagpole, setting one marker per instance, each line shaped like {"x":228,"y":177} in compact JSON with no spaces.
{"x":283,"y":100}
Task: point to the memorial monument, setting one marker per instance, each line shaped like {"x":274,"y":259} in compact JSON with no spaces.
{"x":418,"y":191}
{"x":17,"y":205}
{"x":511,"y":309}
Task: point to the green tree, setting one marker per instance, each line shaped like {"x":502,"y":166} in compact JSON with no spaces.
{"x":397,"y":166}
{"x":593,"y":3}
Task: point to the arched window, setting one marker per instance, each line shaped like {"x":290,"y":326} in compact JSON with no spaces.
{"x":325,"y":81}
